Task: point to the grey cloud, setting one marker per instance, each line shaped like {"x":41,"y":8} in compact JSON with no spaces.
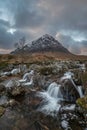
{"x":0,"y":12}
{"x":25,"y":19}
{"x":72,"y":45}
{"x":5,"y":39}
{"x":4,"y":23}
{"x":84,"y":43}
{"x":67,"y":14}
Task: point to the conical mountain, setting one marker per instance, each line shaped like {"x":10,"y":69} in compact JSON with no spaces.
{"x":46,"y":43}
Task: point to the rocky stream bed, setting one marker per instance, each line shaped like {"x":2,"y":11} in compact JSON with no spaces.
{"x":48,"y":97}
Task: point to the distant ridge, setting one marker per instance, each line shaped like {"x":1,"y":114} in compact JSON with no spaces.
{"x":46,"y":43}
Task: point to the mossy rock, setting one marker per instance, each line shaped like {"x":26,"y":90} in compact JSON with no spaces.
{"x":84,"y":78}
{"x":2,"y":110}
{"x":82,"y":102}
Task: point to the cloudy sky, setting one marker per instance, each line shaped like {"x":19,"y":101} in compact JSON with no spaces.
{"x":66,"y":20}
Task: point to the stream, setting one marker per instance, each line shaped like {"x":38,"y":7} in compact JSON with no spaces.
{"x":51,"y":109}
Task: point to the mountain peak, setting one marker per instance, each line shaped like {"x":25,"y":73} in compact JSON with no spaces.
{"x":46,"y":40}
{"x":47,"y":36}
{"x":46,"y":43}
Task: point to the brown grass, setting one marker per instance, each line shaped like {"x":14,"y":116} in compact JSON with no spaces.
{"x":39,"y":57}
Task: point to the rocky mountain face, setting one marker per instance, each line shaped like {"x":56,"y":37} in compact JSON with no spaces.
{"x":46,"y":43}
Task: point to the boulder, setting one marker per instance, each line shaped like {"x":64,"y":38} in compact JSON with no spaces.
{"x":16,"y":91}
{"x":12,"y":83}
{"x":69,"y":90}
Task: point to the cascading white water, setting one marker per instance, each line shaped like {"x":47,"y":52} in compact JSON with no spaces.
{"x":28,"y":83}
{"x":68,"y":75}
{"x":27,"y":75}
{"x":27,"y":79}
{"x":51,"y":99}
{"x":78,"y":88}
{"x":15,"y":71}
{"x":74,"y":84}
{"x":50,"y":104}
{"x":54,"y":90}
{"x":80,"y":91}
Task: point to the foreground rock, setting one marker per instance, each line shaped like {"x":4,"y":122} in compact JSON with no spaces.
{"x":82,"y":106}
{"x":82,"y":102}
{"x":69,"y":90}
{"x":2,"y":110}
{"x":2,"y":88}
{"x":16,"y":91}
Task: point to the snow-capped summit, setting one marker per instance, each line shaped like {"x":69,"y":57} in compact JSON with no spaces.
{"x":46,"y":43}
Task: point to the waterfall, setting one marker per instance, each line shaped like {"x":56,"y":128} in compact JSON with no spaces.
{"x":30,"y":83}
{"x":74,"y":85}
{"x":51,"y":99}
{"x":28,"y":75}
{"x":54,"y":90}
{"x":78,"y":88}
{"x":69,"y":75}
{"x":15,"y":71}
{"x":27,"y":78}
{"x":80,"y":91}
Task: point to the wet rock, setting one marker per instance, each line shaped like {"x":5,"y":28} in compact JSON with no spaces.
{"x":74,"y":124}
{"x":11,"y":103}
{"x":2,"y":110}
{"x":12,"y":83}
{"x":16,"y":91}
{"x":42,"y":81}
{"x":69,"y":90}
{"x":2,"y":88}
{"x":3,"y":100}
{"x":1,"y":79}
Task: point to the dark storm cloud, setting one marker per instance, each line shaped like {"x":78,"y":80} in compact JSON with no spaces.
{"x":69,"y":14}
{"x":4,"y":24}
{"x":68,"y":42}
{"x":84,"y":43}
{"x":26,"y":18}
{"x":25,"y":13}
{"x":33,"y":18}
{"x":5,"y":39}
